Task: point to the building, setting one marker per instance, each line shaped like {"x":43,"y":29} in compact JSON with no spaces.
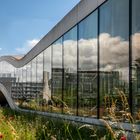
{"x":86,"y":65}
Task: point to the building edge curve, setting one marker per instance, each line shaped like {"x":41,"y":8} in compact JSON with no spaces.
{"x":78,"y":13}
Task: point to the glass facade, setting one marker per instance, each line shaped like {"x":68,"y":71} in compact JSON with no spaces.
{"x":92,"y":70}
{"x":87,"y":68}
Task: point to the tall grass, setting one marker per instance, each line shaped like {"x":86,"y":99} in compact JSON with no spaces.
{"x":25,"y":126}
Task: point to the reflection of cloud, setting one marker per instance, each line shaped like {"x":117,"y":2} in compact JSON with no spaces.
{"x":57,"y":55}
{"x":136,"y":46}
{"x":70,"y":55}
{"x":114,"y":52}
{"x":28,"y":45}
{"x":88,"y":54}
{"x":6,"y":68}
{"x":114,"y":55}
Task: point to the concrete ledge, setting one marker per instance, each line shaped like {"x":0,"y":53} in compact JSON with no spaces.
{"x":91,"y":121}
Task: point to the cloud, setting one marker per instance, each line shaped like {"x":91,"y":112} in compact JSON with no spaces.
{"x":0,"y":49}
{"x":32,"y":43}
{"x":29,"y":44}
{"x":114,"y":54}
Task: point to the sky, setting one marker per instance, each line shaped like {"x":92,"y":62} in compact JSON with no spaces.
{"x":24,"y":22}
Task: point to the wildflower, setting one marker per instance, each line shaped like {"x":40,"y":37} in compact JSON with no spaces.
{"x":11,"y":118}
{"x":1,"y":136}
{"x":123,"y":138}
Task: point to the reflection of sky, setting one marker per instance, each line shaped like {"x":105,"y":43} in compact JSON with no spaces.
{"x":40,"y":67}
{"x":47,"y":61}
{"x":88,"y":27}
{"x":113,"y":22}
{"x":136,"y":16}
{"x":70,"y":50}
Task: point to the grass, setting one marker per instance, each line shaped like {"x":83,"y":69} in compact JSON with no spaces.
{"x":17,"y":126}
{"x":24,"y":126}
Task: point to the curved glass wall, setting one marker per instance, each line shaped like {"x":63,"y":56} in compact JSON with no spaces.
{"x":87,"y":88}
{"x":70,"y":72}
{"x":114,"y":59}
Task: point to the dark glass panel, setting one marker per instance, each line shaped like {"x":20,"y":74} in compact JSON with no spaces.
{"x":136,"y":57}
{"x":114,"y":59}
{"x":88,"y":66}
{"x":70,"y":71}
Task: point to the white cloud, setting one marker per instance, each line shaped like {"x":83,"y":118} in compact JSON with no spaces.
{"x":29,"y":44}
{"x":32,"y":43}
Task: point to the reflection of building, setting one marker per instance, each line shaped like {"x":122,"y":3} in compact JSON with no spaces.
{"x":136,"y":83}
{"x":26,"y":90}
{"x":88,"y":81}
{"x":57,"y":78}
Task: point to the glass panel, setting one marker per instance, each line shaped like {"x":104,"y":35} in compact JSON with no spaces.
{"x":57,"y":76}
{"x":28,"y":84}
{"x":114,"y":59}
{"x":47,"y":80}
{"x":40,"y":81}
{"x":18,"y":90}
{"x":8,"y":78}
{"x":24,"y":81}
{"x":15,"y":91}
{"x":34,"y":83}
{"x":88,"y":66}
{"x":136,"y":56}
{"x":70,"y":71}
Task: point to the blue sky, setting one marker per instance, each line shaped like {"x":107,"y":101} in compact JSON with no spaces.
{"x":24,"y":22}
